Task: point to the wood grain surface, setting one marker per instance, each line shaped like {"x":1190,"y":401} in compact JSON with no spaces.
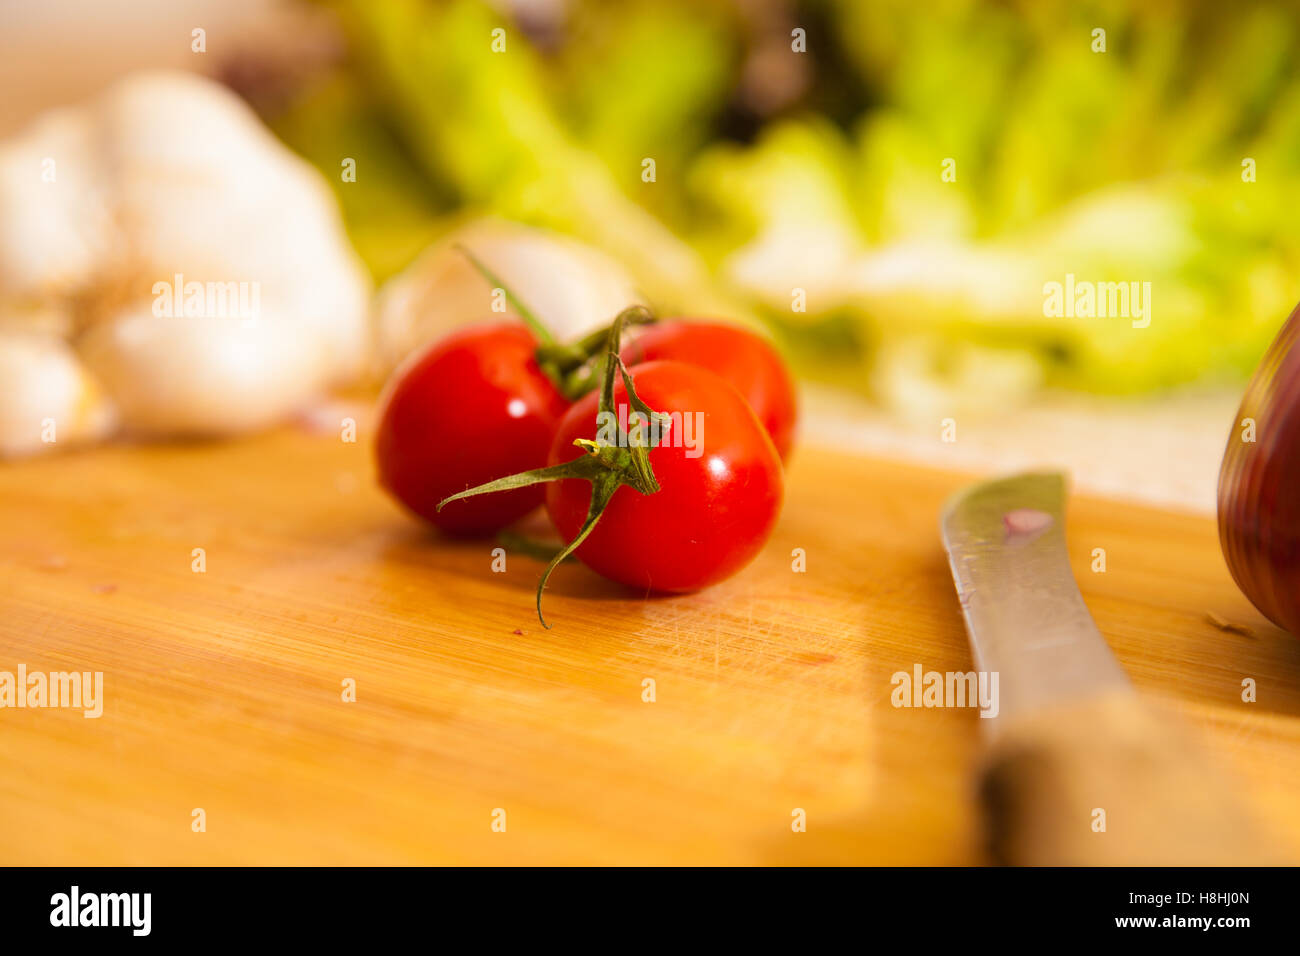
{"x":223,"y":689}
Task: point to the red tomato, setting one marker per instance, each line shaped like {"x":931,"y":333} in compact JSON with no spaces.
{"x":472,"y":407}
{"x":744,"y":359}
{"x":714,"y":509}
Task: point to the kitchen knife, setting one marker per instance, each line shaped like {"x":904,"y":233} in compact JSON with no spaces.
{"x":1079,"y":770}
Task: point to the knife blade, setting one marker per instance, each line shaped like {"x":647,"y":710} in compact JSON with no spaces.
{"x":1024,"y":614}
{"x":1079,"y":769}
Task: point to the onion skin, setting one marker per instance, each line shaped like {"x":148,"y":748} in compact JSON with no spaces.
{"x":1259,"y":485}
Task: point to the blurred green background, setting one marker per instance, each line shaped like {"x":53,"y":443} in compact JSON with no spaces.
{"x":822,"y":170}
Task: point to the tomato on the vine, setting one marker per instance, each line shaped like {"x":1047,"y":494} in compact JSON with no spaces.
{"x":719,"y":477}
{"x":746,"y":360}
{"x":471,"y":407}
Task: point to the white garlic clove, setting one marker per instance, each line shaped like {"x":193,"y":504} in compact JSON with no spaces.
{"x":48,"y":400}
{"x":57,"y":229}
{"x":206,"y":376}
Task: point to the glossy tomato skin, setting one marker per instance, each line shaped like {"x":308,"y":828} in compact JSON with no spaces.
{"x":744,"y":359}
{"x":713,"y":512}
{"x":471,"y":407}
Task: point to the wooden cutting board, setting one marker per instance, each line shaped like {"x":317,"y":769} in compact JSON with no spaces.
{"x":223,"y":689}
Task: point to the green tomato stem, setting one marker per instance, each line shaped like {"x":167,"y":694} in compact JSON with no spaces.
{"x":538,"y":328}
{"x":607,"y":466}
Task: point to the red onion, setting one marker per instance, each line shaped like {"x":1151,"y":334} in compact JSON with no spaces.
{"x":1259,"y":485}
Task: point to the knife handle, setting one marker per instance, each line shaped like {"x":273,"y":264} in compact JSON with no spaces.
{"x":1048,"y":781}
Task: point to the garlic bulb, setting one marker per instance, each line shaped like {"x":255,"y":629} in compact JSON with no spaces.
{"x":204,"y":268}
{"x":570,"y":287}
